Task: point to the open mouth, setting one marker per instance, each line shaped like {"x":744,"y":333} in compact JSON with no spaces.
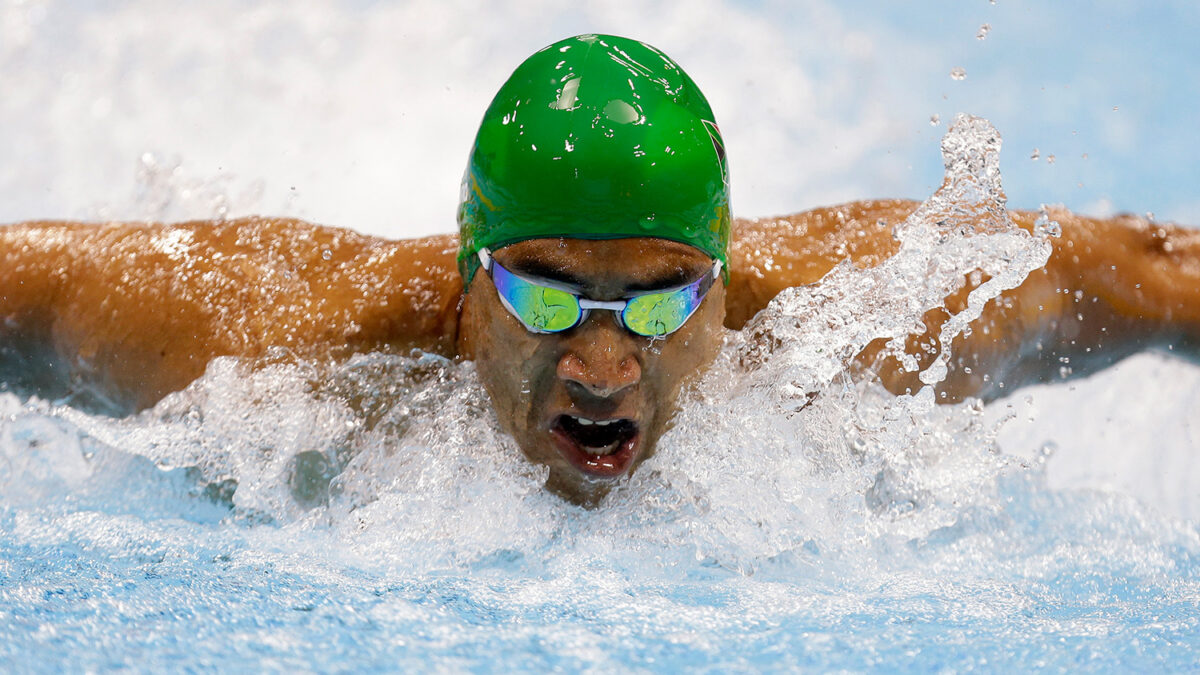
{"x":598,"y":448}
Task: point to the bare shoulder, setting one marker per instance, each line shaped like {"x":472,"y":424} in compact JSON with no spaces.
{"x":770,"y":254}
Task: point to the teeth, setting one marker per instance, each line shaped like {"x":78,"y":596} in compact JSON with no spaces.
{"x":587,"y":423}
{"x":598,"y":451}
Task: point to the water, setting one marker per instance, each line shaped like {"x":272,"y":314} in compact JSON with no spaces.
{"x":794,"y":518}
{"x":286,"y":514}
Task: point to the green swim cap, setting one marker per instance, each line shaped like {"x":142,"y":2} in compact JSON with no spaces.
{"x":596,"y":137}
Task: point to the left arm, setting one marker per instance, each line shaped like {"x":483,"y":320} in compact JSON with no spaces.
{"x":1112,"y":287}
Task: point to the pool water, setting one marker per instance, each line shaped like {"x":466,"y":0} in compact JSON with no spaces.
{"x":285,"y":514}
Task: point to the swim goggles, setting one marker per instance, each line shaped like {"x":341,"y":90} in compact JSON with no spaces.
{"x":545,"y":306}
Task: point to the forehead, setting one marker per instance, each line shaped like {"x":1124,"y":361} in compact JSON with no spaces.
{"x":622,"y":264}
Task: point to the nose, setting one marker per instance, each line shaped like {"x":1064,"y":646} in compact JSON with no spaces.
{"x":600,"y":361}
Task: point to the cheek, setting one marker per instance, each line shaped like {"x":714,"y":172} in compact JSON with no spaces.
{"x":688,"y":353}
{"x":668,"y":370}
{"x":509,"y":360}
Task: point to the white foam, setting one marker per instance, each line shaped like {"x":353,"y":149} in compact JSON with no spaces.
{"x":1131,"y":429}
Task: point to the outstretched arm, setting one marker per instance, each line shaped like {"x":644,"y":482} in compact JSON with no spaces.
{"x":1112,"y":287}
{"x":131,"y":312}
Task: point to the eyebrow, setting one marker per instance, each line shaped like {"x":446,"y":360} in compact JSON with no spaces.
{"x":554,"y":271}
{"x":546,"y":270}
{"x":667,"y":279}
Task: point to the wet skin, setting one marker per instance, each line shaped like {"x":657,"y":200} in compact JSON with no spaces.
{"x":129,"y":312}
{"x":625,"y":385}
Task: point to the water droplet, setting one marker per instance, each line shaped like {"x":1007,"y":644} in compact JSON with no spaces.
{"x":1035,"y":155}
{"x":1047,"y":450}
{"x":1044,"y":227}
{"x":934,"y":120}
{"x":958,"y":73}
{"x":983,"y":31}
{"x":326,"y":254}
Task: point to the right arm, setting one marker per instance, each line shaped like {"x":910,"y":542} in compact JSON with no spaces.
{"x":135,"y":311}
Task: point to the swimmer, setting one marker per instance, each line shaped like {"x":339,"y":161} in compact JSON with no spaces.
{"x":595,"y":273}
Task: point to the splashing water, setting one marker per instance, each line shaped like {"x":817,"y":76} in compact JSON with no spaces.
{"x":165,"y":193}
{"x":369,"y":513}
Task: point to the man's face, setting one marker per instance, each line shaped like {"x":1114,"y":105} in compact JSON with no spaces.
{"x":591,"y":402}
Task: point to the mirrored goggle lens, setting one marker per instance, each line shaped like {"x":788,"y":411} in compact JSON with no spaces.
{"x":661,"y":313}
{"x":540,"y":308}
